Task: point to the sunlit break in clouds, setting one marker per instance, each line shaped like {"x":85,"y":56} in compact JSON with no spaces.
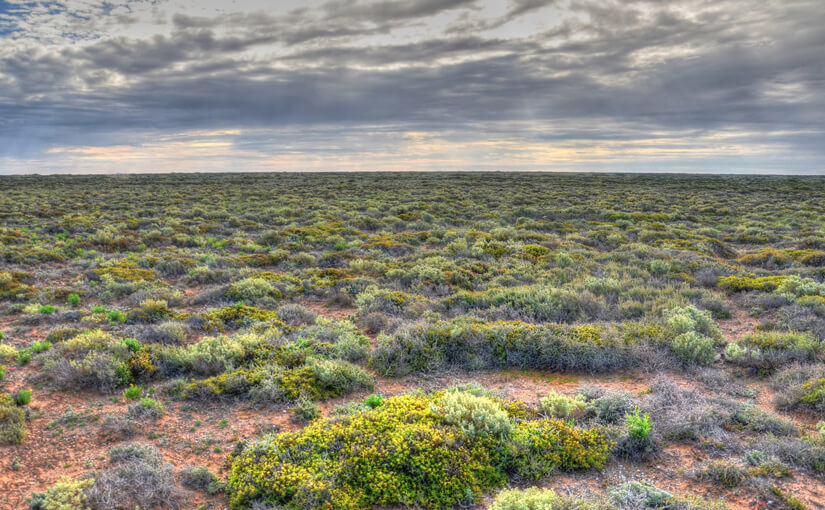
{"x":727,"y":86}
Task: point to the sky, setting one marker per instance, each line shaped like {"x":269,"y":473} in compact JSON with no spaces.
{"x":700,"y":86}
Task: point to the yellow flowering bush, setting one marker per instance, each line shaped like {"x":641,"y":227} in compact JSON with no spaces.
{"x":402,"y":453}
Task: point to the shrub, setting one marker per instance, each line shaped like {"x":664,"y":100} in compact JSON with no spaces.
{"x":66,"y":494}
{"x":12,"y":421}
{"x":47,"y":309}
{"x":739,"y":284}
{"x":801,"y":387}
{"x":337,"y":377}
{"x":23,"y":397}
{"x":200,"y":478}
{"x":136,"y":476}
{"x":691,"y":319}
{"x":374,"y":401}
{"x":757,"y":419}
{"x":473,"y":415}
{"x":296,"y":315}
{"x":145,"y":409}
{"x":527,"y":499}
{"x":557,"y":405}
{"x":476,"y":344}
{"x":771,"y":350}
{"x":305,"y":410}
{"x":116,"y":316}
{"x":73,"y":299}
{"x":636,"y":495}
{"x":723,"y":472}
{"x":24,"y":356}
{"x":253,"y":289}
{"x":606,"y":406}
{"x":687,"y":414}
{"x":638,"y":425}
{"x":7,"y":352}
{"x":694,"y":348}
{"x":164,"y":333}
{"x":801,"y":453}
{"x":400,"y":453}
{"x":40,"y":346}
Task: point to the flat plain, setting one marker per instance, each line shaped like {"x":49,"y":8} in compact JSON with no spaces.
{"x":391,"y":340}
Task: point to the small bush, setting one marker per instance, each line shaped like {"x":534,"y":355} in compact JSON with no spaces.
{"x":40,"y":346}
{"x":474,"y":415}
{"x":145,"y":409}
{"x":639,"y":425}
{"x":374,"y":401}
{"x":47,"y":309}
{"x":12,"y":421}
{"x":305,"y":410}
{"x":116,"y":316}
{"x":136,"y":476}
{"x":726,"y":473}
{"x":296,"y":315}
{"x":73,"y":299}
{"x":557,"y":405}
{"x":23,"y":397}
{"x":7,"y":352}
{"x":133,"y":392}
{"x":200,"y":478}
{"x":164,"y":333}
{"x":694,"y":348}
{"x":66,"y":494}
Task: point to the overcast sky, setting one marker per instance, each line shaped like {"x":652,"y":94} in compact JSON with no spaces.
{"x":553,"y":85}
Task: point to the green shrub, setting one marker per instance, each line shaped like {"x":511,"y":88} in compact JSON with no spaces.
{"x":23,"y":397}
{"x":40,"y":346}
{"x":772,"y":350}
{"x":305,"y":410}
{"x":133,"y":392}
{"x":473,"y":415}
{"x":12,"y":421}
{"x":475,"y":344}
{"x":638,"y":425}
{"x":561,"y":406}
{"x":66,"y":494}
{"x":73,"y":299}
{"x":200,"y":478}
{"x":253,"y":289}
{"x":24,"y":356}
{"x":116,"y":316}
{"x":374,"y":401}
{"x":691,"y":319}
{"x":145,"y":409}
{"x":694,"y":348}
{"x":98,"y":309}
{"x":47,"y":309}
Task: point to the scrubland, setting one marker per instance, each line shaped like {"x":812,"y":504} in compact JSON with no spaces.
{"x":354,"y":341}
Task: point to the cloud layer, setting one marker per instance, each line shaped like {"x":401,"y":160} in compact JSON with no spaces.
{"x":689,"y":85}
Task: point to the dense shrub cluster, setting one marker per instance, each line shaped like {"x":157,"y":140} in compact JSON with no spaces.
{"x":476,"y":344}
{"x":433,"y":451}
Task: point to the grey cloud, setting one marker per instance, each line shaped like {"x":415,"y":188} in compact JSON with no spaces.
{"x":607,"y":70}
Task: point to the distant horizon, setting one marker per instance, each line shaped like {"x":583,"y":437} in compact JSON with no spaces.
{"x":428,"y":172}
{"x":160,"y":86}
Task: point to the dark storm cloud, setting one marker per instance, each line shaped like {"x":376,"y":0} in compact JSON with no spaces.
{"x":643,"y":65}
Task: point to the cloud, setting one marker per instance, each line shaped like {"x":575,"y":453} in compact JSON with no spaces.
{"x":511,"y":78}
